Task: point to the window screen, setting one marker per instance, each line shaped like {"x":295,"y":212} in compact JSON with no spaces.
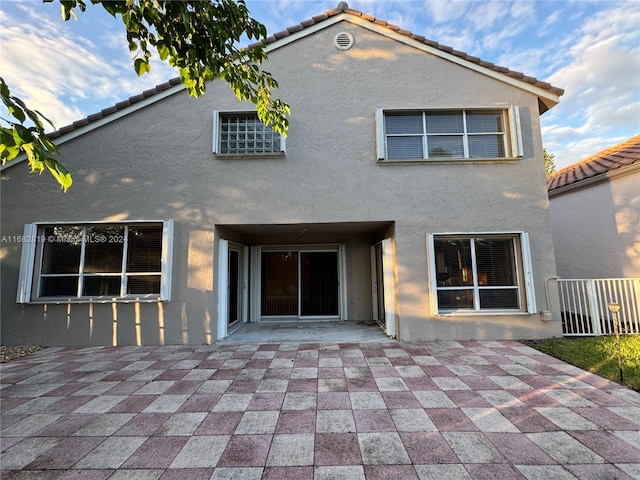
{"x":477,"y":272}
{"x":444,"y":134}
{"x":100,"y":260}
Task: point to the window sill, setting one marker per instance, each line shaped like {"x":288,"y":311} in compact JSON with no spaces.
{"x":449,"y":161}
{"x":248,"y":156}
{"x":68,"y":301}
{"x":483,"y":313}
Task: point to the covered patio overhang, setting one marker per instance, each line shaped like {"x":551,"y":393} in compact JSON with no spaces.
{"x":300,"y":273}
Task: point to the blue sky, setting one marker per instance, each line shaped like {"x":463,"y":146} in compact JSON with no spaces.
{"x":69,"y":70}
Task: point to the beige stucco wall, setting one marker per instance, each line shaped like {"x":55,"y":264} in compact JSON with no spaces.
{"x":156,"y":163}
{"x":596,"y":229}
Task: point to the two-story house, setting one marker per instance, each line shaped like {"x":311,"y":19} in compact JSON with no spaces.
{"x":410,"y":190}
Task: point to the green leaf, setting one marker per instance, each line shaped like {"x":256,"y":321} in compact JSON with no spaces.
{"x":141,"y":66}
{"x":111,"y":7}
{"x":4,"y":90}
{"x":17,"y":113}
{"x":47,"y":144}
{"x":35,"y":114}
{"x":59,"y":172}
{"x":66,"y":9}
{"x":22,"y":135}
{"x":163,"y":52}
{"x":29,"y":149}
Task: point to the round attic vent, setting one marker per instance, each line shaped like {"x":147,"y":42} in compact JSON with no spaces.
{"x":344,"y":41}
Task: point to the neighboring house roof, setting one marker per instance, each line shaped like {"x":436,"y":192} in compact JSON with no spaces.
{"x":547,"y":94}
{"x":616,"y":159}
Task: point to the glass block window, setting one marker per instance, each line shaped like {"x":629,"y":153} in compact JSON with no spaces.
{"x":245,"y":134}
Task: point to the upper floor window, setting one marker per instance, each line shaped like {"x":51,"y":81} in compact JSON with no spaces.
{"x":448,"y":134}
{"x":244,"y":134}
{"x":86,"y":262}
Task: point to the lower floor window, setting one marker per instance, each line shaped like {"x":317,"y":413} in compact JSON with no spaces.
{"x":94,"y":261}
{"x":479,"y":272}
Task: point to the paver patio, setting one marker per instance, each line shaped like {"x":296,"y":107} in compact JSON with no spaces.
{"x":376,"y":410}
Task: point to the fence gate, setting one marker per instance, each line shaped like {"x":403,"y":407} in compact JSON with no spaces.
{"x":583,"y":305}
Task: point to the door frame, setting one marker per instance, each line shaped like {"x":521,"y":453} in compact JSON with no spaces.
{"x":384,"y":265}
{"x":255,"y":280}
{"x":225,"y":247}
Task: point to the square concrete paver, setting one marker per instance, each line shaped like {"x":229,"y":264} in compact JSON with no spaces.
{"x":384,"y":448}
{"x":367,"y":400}
{"x":111,"y":453}
{"x":564,"y":449}
{"x":339,"y":473}
{"x":337,"y":449}
{"x":258,"y":422}
{"x":335,"y":421}
{"x":291,"y":450}
{"x":412,"y":420}
{"x":66,"y":453}
{"x":246,"y":450}
{"x":473,"y":447}
{"x":201,"y":452}
{"x":156,"y":452}
{"x":300,"y":401}
{"x":105,"y":425}
{"x":26,"y":451}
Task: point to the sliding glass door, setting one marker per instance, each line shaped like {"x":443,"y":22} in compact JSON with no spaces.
{"x":279,"y":284}
{"x":319,"y":283}
{"x":299,"y":283}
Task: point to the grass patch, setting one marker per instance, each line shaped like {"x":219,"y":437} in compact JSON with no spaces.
{"x":597,"y":355}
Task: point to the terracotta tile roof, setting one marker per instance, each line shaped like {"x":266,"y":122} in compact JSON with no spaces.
{"x":318,"y":19}
{"x":613,"y":158}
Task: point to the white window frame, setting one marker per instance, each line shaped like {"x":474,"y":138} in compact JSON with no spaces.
{"x":524,"y":275}
{"x":512,"y":135}
{"x":255,"y":279}
{"x":31,"y":256}
{"x":215,"y":147}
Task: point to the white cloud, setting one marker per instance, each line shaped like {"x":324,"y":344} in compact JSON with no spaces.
{"x":601,"y":105}
{"x":42,"y":63}
{"x":522,"y":10}
{"x":442,"y":12}
{"x":281,"y":14}
{"x":462,"y":40}
{"x":528,"y":61}
{"x":65,"y":75}
{"x":503,"y":36}
{"x":550,"y":20}
{"x":489,"y":15}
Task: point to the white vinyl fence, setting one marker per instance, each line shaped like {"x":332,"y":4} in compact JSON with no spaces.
{"x":583,"y":304}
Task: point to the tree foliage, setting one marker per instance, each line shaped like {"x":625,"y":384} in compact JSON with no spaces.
{"x":199,"y":38}
{"x":549,"y":164}
{"x":16,"y":138}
